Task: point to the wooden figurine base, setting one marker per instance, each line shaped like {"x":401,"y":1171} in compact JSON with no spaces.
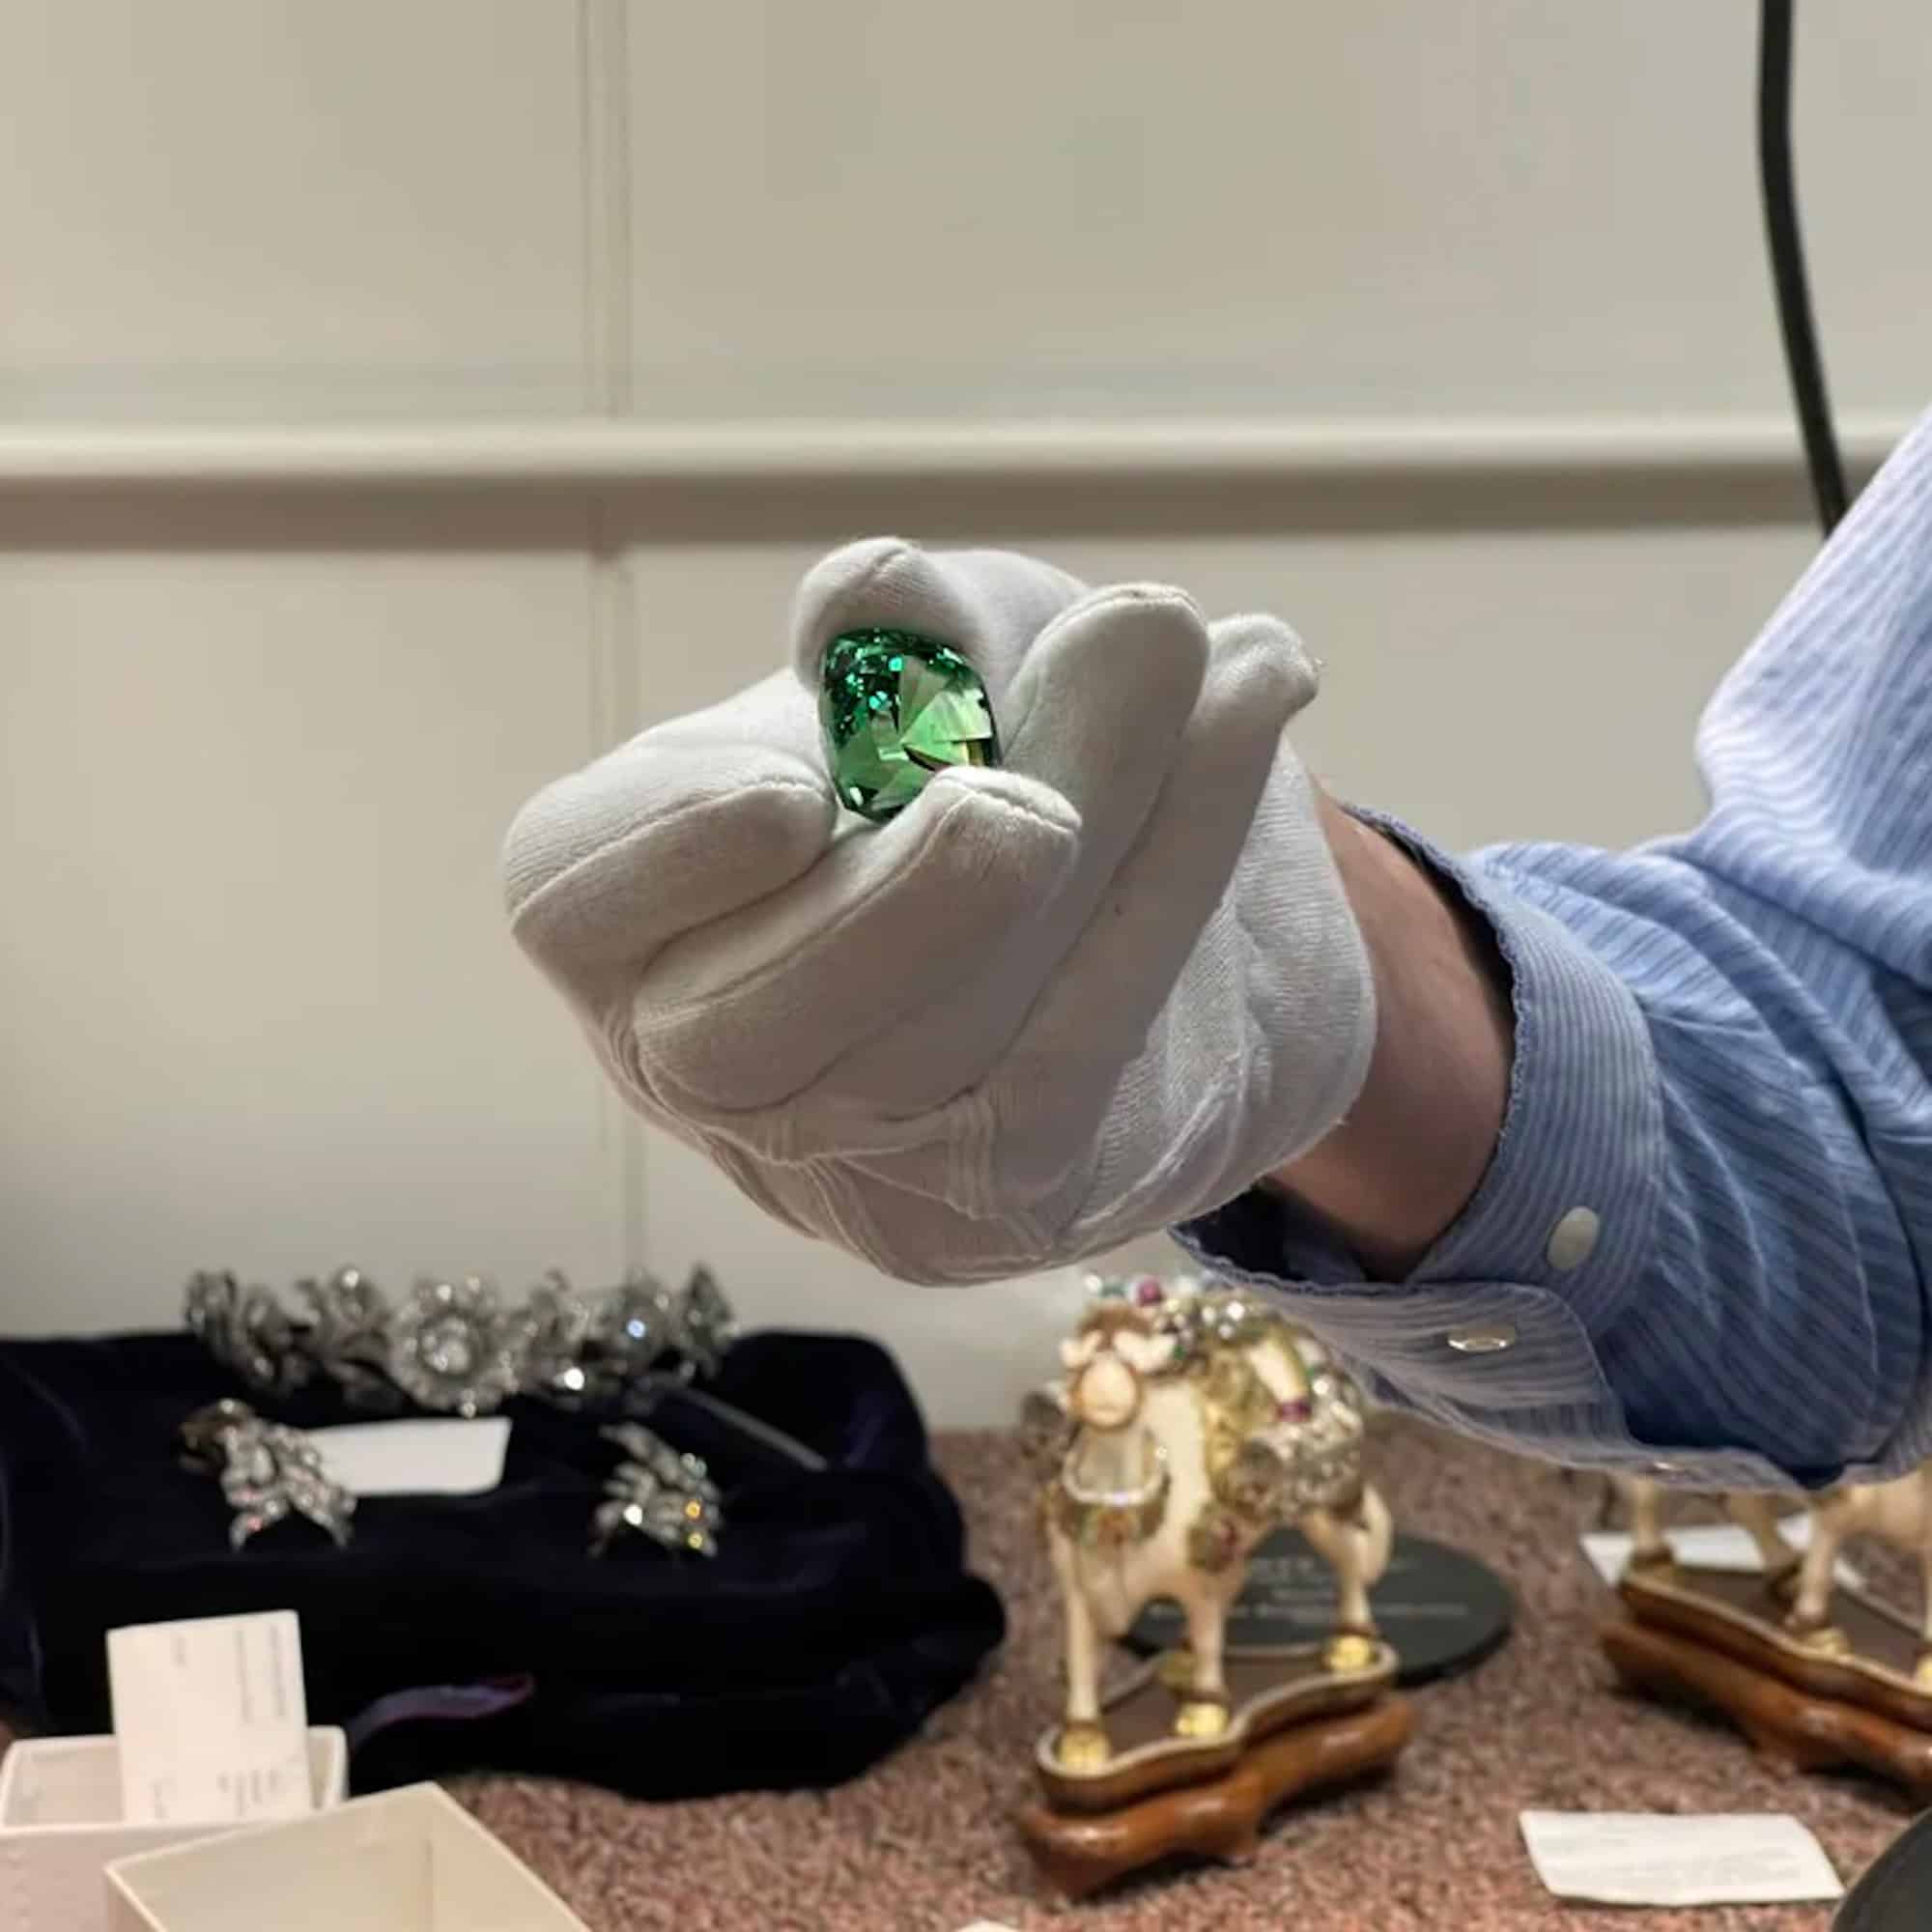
{"x":1734,"y":1612}
{"x":1268,"y":1691}
{"x":1296,"y":1727}
{"x":1716,"y":1637}
{"x":1079,"y":1851}
{"x":1788,"y":1727}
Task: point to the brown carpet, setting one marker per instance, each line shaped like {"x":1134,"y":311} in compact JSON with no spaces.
{"x":925,"y":1843}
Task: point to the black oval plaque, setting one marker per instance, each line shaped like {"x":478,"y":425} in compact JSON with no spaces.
{"x":1441,"y":1609}
{"x":1896,"y":1892}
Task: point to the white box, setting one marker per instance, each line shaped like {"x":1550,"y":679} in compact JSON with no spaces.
{"x":407,"y":1861}
{"x":60,"y":1825}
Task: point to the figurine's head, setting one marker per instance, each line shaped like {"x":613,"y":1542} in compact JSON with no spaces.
{"x":1106,"y":1394}
{"x":1108,"y":1363}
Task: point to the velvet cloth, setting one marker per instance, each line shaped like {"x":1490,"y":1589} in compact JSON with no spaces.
{"x":461,"y":1632}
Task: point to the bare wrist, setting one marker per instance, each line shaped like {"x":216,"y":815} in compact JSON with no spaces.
{"x":1396,"y":1174}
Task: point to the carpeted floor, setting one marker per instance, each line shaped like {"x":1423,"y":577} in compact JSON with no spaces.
{"x":925,"y":1843}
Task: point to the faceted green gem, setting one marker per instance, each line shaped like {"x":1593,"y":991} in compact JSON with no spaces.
{"x":896,"y":707}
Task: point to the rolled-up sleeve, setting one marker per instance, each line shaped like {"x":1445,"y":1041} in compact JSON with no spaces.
{"x":1702,"y":1244}
{"x":1670,"y":1262}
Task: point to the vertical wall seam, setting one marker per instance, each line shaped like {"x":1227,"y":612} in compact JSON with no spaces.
{"x":604,"y":83}
{"x":603,"y":42}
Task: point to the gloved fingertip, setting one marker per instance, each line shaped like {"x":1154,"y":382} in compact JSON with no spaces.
{"x":988,"y":605}
{"x":832,"y":595}
{"x":1270,"y":655}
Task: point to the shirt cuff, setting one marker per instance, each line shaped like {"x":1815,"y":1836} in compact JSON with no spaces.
{"x":1503,"y":1310}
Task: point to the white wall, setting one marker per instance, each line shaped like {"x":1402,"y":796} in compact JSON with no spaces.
{"x":398,"y":405}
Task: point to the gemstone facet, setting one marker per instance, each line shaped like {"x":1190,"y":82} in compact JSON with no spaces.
{"x":895,"y":707}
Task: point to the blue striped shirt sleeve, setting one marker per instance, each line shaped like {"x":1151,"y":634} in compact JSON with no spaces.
{"x":1702,"y":1244}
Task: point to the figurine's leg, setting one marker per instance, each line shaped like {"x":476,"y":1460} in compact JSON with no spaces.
{"x":1756,"y":1513}
{"x":1082,"y":1663}
{"x":1344,"y":1547}
{"x":1922,"y":1673}
{"x":1809,"y":1616}
{"x":1083,"y":1739}
{"x":1650,"y":1549}
{"x":1204,"y":1712}
{"x":1608,"y":1499}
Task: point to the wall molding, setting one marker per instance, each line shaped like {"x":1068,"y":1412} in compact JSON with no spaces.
{"x":595,"y":451}
{"x":433,"y":485}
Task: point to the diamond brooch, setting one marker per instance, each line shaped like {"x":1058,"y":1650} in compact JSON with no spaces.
{"x":267,"y":1474}
{"x":657,"y":1491}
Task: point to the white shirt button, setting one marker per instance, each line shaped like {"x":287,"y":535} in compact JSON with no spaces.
{"x":1490,"y":1340}
{"x":1572,"y":1240}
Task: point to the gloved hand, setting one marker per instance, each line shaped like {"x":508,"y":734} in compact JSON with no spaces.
{"x":1050,"y":1006}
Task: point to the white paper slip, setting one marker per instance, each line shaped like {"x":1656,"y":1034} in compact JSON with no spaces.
{"x":1641,"y":1858}
{"x":211,"y":1719}
{"x":1710,"y":1546}
{"x":418,"y":1456}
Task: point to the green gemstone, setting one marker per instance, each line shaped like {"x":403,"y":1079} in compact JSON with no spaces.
{"x":896,"y":707}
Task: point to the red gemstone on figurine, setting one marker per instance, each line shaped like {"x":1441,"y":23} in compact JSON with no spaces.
{"x":1150,"y":1292}
{"x":1297,"y":1409}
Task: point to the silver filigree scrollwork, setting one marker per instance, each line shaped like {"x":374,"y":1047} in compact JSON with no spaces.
{"x":347,"y":1335}
{"x":558,"y":1362}
{"x":633,"y":1331}
{"x":248,"y":1329}
{"x":706,"y":1324}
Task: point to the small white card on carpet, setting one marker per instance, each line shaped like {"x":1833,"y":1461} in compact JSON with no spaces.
{"x":1641,"y":1858}
{"x":211,"y":1719}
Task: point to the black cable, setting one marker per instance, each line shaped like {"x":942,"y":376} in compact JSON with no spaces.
{"x":1787,"y":263}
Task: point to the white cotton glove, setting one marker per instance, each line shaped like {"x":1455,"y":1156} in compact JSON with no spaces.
{"x":1050,"y":1006}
